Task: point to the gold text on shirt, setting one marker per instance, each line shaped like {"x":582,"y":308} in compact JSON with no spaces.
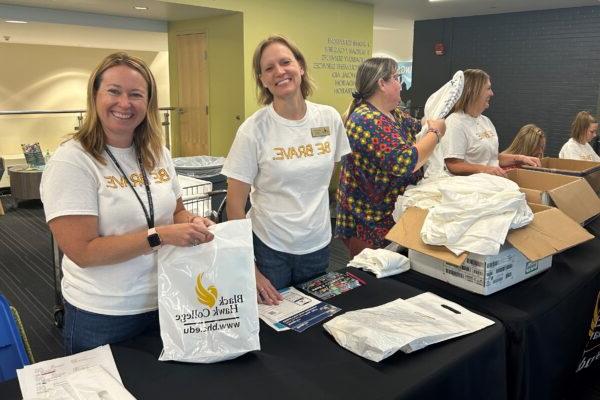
{"x":308,"y":150}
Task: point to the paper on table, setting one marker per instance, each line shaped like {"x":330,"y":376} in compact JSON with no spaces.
{"x":294,"y":302}
{"x":47,"y":379}
{"x":95,"y":383}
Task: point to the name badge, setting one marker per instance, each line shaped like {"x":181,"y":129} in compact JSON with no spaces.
{"x":320,"y":132}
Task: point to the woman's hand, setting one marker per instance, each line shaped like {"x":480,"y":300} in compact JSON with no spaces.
{"x":186,"y":234}
{"x":498,"y":171}
{"x":438,"y":124}
{"x":527,"y":160}
{"x":201,"y":220}
{"x":266,"y":292}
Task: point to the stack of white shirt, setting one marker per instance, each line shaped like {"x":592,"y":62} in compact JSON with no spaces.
{"x":468,"y":213}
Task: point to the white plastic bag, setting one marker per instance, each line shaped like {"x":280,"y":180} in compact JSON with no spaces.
{"x":207,"y":297}
{"x":407,"y":325}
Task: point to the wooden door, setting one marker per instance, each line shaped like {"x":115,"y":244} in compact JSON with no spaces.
{"x":193,"y":94}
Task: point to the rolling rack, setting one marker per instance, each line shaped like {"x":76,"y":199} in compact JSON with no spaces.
{"x":197,"y":198}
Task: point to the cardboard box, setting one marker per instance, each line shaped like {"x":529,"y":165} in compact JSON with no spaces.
{"x":589,"y":170}
{"x":529,"y":250}
{"x":572,"y":195}
{"x":481,"y":274}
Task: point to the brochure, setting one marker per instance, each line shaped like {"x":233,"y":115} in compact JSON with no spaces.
{"x":296,"y":311}
{"x":331,"y":284}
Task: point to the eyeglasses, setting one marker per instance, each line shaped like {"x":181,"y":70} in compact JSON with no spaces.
{"x":397,"y":77}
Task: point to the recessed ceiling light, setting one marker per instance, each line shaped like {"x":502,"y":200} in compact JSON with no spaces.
{"x":141,"y":8}
{"x":15,"y":21}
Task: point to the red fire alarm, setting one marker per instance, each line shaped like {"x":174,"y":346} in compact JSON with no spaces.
{"x":439,"y":49}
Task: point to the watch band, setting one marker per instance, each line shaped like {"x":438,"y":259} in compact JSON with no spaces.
{"x":437,"y":133}
{"x":154,"y":239}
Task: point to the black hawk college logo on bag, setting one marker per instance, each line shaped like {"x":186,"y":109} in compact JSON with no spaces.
{"x":207,"y":297}
{"x":591,"y":353}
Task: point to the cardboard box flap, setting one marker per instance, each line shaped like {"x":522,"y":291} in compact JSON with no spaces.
{"x":566,"y":166}
{"x":550,"y":232}
{"x":537,"y":179}
{"x":533,"y":196}
{"x":407,"y":232}
{"x":576,"y":199}
{"x":536,"y":208}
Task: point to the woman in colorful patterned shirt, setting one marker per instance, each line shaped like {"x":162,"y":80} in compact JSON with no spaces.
{"x":385,"y":157}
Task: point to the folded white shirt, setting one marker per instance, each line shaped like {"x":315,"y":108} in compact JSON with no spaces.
{"x":381,"y":262}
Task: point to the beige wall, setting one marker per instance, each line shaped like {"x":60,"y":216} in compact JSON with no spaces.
{"x":225,"y":49}
{"x":40,"y":77}
{"x":317,"y":26}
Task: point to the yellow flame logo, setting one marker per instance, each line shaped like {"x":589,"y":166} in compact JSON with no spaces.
{"x":206,"y":296}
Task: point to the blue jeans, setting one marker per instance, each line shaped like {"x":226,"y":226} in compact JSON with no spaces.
{"x":284,"y":269}
{"x":84,"y":330}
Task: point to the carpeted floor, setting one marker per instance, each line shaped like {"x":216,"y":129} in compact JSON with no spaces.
{"x":27,"y":274}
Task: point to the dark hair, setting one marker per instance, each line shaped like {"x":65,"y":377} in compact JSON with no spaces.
{"x":367,"y":80}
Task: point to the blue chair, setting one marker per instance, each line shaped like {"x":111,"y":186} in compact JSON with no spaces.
{"x":12,"y":345}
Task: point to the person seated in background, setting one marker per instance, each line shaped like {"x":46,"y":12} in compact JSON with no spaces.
{"x":529,"y":141}
{"x":111,"y":198}
{"x":385,"y":156}
{"x":471,"y":143}
{"x":283,"y":157}
{"x":583,"y":129}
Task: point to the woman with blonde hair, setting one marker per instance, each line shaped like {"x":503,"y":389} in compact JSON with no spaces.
{"x":111,"y":199}
{"x":529,"y":141}
{"x":385,"y":156}
{"x":283,"y":157}
{"x":471,"y":143}
{"x":584,"y":128}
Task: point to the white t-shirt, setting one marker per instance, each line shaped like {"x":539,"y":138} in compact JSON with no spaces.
{"x":74,"y":183}
{"x":471,"y":139}
{"x":573,"y":150}
{"x":289,"y":165}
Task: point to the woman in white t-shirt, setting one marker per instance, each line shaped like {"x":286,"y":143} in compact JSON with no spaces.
{"x":470,"y":145}
{"x":583,"y":129}
{"x":283,"y":157}
{"x":111,"y":199}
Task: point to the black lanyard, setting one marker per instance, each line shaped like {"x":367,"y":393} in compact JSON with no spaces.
{"x":149,"y":215}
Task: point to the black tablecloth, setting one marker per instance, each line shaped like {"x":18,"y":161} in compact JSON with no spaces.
{"x":311,"y":365}
{"x":546,"y":318}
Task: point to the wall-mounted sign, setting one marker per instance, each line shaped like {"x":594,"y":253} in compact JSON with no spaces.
{"x":340,"y":58}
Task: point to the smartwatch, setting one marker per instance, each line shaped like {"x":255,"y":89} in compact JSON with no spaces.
{"x":153,"y":239}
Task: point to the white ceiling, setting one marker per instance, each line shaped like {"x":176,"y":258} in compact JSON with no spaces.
{"x":157,"y":10}
{"x":73,"y":22}
{"x":404,"y":9}
{"x":95,"y":23}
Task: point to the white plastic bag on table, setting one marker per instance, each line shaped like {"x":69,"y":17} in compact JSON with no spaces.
{"x":207,"y":297}
{"x":406,"y":325}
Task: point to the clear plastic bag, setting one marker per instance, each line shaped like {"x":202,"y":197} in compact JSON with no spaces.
{"x":207,"y":297}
